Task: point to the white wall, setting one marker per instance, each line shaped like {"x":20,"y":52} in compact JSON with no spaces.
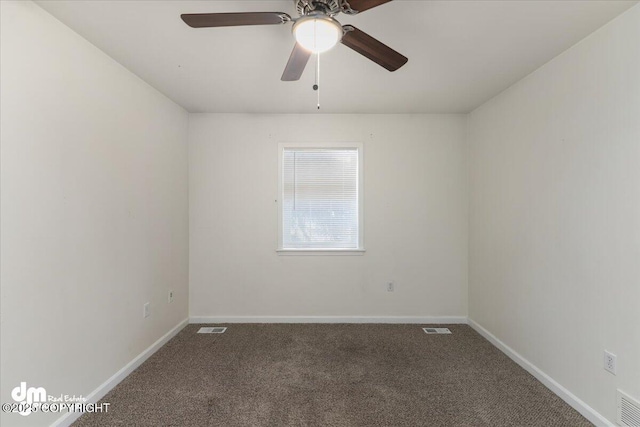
{"x":555,"y":215}
{"x":95,"y":222}
{"x":415,"y":191}
{"x":94,"y":208}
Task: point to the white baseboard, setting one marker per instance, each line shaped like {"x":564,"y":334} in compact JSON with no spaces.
{"x":331,"y":319}
{"x":97,"y":394}
{"x":585,"y":410}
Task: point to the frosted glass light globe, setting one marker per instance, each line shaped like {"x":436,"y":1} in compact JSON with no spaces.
{"x":317,"y":35}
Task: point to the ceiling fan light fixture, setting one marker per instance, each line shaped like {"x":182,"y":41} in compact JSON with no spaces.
{"x":317,"y":34}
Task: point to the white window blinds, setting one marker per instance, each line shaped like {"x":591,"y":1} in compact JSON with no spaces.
{"x":320,"y":198}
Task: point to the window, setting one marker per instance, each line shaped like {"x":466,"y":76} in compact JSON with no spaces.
{"x":320,"y":207}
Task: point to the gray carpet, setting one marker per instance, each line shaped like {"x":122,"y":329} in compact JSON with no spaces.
{"x":331,"y":375}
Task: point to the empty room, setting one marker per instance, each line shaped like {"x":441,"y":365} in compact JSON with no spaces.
{"x":320,"y":213}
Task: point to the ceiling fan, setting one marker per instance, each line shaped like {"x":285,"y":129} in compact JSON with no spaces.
{"x":316,"y":30}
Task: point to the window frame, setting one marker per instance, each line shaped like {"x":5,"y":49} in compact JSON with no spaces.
{"x":360,"y":250}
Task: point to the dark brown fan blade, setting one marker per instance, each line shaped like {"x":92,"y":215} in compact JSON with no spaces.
{"x":296,"y":64}
{"x":203,"y":20}
{"x":376,"y":51}
{"x":362,"y":5}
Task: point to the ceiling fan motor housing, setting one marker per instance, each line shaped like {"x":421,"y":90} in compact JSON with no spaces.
{"x":328,"y":7}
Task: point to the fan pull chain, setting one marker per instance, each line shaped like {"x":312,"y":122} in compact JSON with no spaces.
{"x":316,"y":87}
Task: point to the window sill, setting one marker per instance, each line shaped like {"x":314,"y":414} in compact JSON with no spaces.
{"x":321,"y":252}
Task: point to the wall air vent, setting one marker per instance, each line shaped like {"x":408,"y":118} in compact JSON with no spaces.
{"x":436,"y":330}
{"x":212,"y":330}
{"x":628,"y":410}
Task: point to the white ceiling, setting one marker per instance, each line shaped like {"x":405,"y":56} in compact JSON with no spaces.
{"x":461,"y":53}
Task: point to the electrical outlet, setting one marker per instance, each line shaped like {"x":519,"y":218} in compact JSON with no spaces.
{"x":146,"y":310}
{"x":610,"y":362}
{"x":170,"y":297}
{"x":391,"y":287}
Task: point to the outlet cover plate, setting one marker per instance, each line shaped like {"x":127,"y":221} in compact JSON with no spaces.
{"x":610,"y":362}
{"x":146,"y":310}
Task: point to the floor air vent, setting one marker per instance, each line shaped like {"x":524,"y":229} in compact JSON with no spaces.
{"x":436,"y":330}
{"x":628,"y":410}
{"x":212,"y":330}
